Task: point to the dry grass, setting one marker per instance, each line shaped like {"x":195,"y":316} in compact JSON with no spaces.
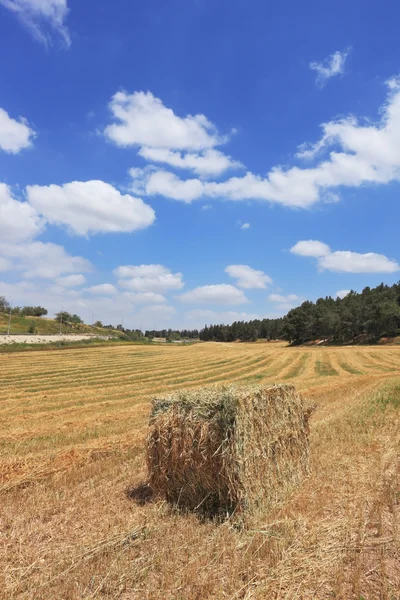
{"x":236,"y":451}
{"x":72,"y":436}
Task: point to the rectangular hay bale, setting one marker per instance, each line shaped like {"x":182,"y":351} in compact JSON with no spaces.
{"x":228,"y":450}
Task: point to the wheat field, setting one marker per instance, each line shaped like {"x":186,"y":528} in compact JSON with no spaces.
{"x":73,"y":424}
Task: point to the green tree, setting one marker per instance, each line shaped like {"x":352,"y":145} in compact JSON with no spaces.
{"x":33,"y":311}
{"x":4,"y":304}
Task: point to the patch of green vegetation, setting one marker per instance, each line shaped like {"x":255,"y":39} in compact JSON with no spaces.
{"x":387,"y":397}
{"x":298,"y":367}
{"x":61,"y":345}
{"x":346,"y":367}
{"x":325,"y":369}
{"x":254,"y":378}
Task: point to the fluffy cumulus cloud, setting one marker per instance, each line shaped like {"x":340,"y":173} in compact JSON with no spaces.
{"x":200,"y":317}
{"x":169,"y":185}
{"x":342,"y":293}
{"x":43,"y":260}
{"x":350,"y":153}
{"x":145,"y":298}
{"x":245,"y":226}
{"x":353,"y":262}
{"x":182,"y":142}
{"x":294,"y":187}
{"x":30,"y":292}
{"x":284,"y":303}
{"x":148,"y":278}
{"x":91,"y":307}
{"x":141,"y":119}
{"x":332,"y":66}
{"x":71,"y":281}
{"x":19,"y":221}
{"x":215,"y":294}
{"x":15,"y":135}
{"x":103,"y":289}
{"x":248,"y":278}
{"x":312,"y":248}
{"x":90,"y":207}
{"x":345,"y":261}
{"x":210,"y":162}
{"x":283,"y":299}
{"x":43,"y":18}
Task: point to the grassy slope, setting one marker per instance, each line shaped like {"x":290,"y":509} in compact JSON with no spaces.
{"x":44,"y":326}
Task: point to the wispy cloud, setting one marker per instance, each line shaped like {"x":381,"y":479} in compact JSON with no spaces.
{"x":332,"y":66}
{"x":42,"y":18}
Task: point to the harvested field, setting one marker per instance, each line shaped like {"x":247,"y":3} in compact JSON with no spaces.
{"x":75,"y":522}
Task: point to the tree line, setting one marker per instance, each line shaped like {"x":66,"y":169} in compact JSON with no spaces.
{"x":63,"y":317}
{"x":23,"y":311}
{"x":173,"y":334}
{"x":371,"y":314}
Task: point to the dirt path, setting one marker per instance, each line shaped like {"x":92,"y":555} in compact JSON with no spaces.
{"x":47,"y":339}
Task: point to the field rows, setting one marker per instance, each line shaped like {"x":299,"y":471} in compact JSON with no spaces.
{"x":72,"y":434}
{"x":54,"y":400}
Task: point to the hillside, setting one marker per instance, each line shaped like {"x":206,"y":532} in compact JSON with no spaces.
{"x":44,"y":326}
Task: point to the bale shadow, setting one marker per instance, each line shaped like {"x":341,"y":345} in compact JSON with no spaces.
{"x":141,"y":494}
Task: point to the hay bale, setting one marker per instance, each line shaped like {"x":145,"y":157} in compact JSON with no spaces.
{"x":235,"y":450}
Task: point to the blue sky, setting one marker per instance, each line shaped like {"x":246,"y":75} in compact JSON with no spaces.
{"x":179,"y":163}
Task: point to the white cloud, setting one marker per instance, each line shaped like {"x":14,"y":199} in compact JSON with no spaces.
{"x":90,"y":207}
{"x":199,"y":317}
{"x":353,"y":262}
{"x":5,"y":265}
{"x":148,"y":278}
{"x":294,"y":187}
{"x":145,"y":298}
{"x":214,"y":294}
{"x":285,"y":303}
{"x":332,"y":66}
{"x":14,"y":135}
{"x":108,"y":309}
{"x":247,"y":277}
{"x":169,"y":185}
{"x":359,"y":153}
{"x":155,"y":316}
{"x":311,"y":248}
{"x":143,"y":120}
{"x":207,"y":163}
{"x":245,"y":226}
{"x":103,"y":289}
{"x":71,"y":280}
{"x":344,"y":261}
{"x":43,"y":260}
{"x":42,"y":18}
{"x":342,"y":293}
{"x":283,"y":299}
{"x":18,"y":220}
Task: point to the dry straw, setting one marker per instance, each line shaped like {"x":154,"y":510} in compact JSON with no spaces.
{"x":228,"y":450}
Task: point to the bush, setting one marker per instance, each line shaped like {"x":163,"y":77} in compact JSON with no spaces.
{"x":33,"y":311}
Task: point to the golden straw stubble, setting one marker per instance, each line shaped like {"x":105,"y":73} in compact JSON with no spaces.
{"x":229,"y":450}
